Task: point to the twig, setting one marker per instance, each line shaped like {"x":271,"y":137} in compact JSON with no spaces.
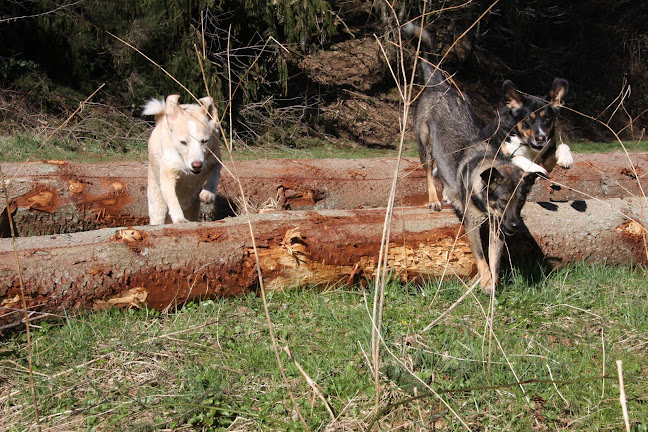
{"x":555,"y":386}
{"x":81,"y":105}
{"x":310,"y":382}
{"x":603,"y":381}
{"x":622,"y":396}
{"x":10,"y":19}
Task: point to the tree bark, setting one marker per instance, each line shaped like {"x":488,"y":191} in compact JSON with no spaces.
{"x":60,"y":197}
{"x":164,"y":266}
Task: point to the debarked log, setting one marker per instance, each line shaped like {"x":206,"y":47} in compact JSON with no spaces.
{"x":54,"y":197}
{"x":164,"y":266}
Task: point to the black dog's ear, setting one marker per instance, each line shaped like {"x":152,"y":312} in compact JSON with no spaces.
{"x":512,"y":95}
{"x":491,"y":177}
{"x":530,"y":177}
{"x":558,"y":91}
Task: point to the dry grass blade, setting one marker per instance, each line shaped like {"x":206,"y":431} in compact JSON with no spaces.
{"x":381,"y":269}
{"x":5,"y":183}
{"x":452,"y":306}
{"x":603,"y":363}
{"x":622,"y":396}
{"x":312,"y":384}
{"x":491,"y":310}
{"x":556,"y":387}
{"x":632,"y":168}
{"x":273,"y":338}
{"x":407,"y":100}
{"x":243,"y":199}
{"x":155,"y":64}
{"x":24,"y":303}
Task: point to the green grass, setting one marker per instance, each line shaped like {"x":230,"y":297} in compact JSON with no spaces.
{"x":18,"y":148}
{"x":605,"y":147}
{"x":321,"y":148}
{"x":210,"y":365}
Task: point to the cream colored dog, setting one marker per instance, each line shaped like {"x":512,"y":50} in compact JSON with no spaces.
{"x":183,"y":153}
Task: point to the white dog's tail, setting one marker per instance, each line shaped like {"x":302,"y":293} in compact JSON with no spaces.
{"x":155,"y":107}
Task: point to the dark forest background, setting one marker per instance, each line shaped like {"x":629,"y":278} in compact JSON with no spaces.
{"x":314,"y":67}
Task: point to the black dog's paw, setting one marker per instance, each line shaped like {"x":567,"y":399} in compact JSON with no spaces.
{"x":436,"y":206}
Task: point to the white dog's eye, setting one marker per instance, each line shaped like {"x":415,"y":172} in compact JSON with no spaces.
{"x":204,"y":140}
{"x":183,"y":142}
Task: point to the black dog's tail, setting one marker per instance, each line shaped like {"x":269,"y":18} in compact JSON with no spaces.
{"x":431,"y":75}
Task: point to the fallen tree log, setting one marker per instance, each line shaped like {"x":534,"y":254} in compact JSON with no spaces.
{"x":60,"y":197}
{"x":164,"y":266}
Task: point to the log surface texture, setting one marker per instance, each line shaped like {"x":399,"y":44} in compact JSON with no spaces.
{"x":164,"y":266}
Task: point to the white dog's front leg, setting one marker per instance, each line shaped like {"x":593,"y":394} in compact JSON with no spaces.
{"x":156,"y":204}
{"x":168,"y":182}
{"x":208,"y":194}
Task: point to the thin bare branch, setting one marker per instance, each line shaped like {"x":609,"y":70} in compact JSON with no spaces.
{"x":13,"y":19}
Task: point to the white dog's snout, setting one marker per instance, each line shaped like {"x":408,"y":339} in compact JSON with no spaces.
{"x":196,"y":166}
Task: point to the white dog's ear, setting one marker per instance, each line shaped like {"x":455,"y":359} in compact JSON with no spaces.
{"x":172,"y":107}
{"x":209,"y":107}
{"x":210,"y":110}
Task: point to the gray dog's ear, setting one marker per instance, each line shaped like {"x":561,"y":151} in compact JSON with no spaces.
{"x":512,"y":95}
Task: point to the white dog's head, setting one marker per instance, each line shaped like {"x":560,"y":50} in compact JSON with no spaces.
{"x":194,"y":130}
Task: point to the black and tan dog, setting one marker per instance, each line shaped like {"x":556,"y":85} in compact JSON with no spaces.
{"x":486,"y":191}
{"x":524,"y":128}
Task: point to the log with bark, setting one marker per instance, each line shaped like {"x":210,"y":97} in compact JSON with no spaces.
{"x":55,"y":197}
{"x":164,"y":266}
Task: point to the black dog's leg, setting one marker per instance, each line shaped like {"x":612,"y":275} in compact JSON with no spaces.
{"x":495,"y":249}
{"x":473,"y":221}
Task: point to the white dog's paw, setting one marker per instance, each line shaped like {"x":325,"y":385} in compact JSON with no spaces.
{"x":178,"y":218}
{"x":207,"y":197}
{"x":527,"y":165}
{"x":535,"y":168}
{"x":564,"y":156}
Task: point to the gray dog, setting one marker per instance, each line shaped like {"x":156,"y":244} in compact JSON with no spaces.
{"x":484,"y":189}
